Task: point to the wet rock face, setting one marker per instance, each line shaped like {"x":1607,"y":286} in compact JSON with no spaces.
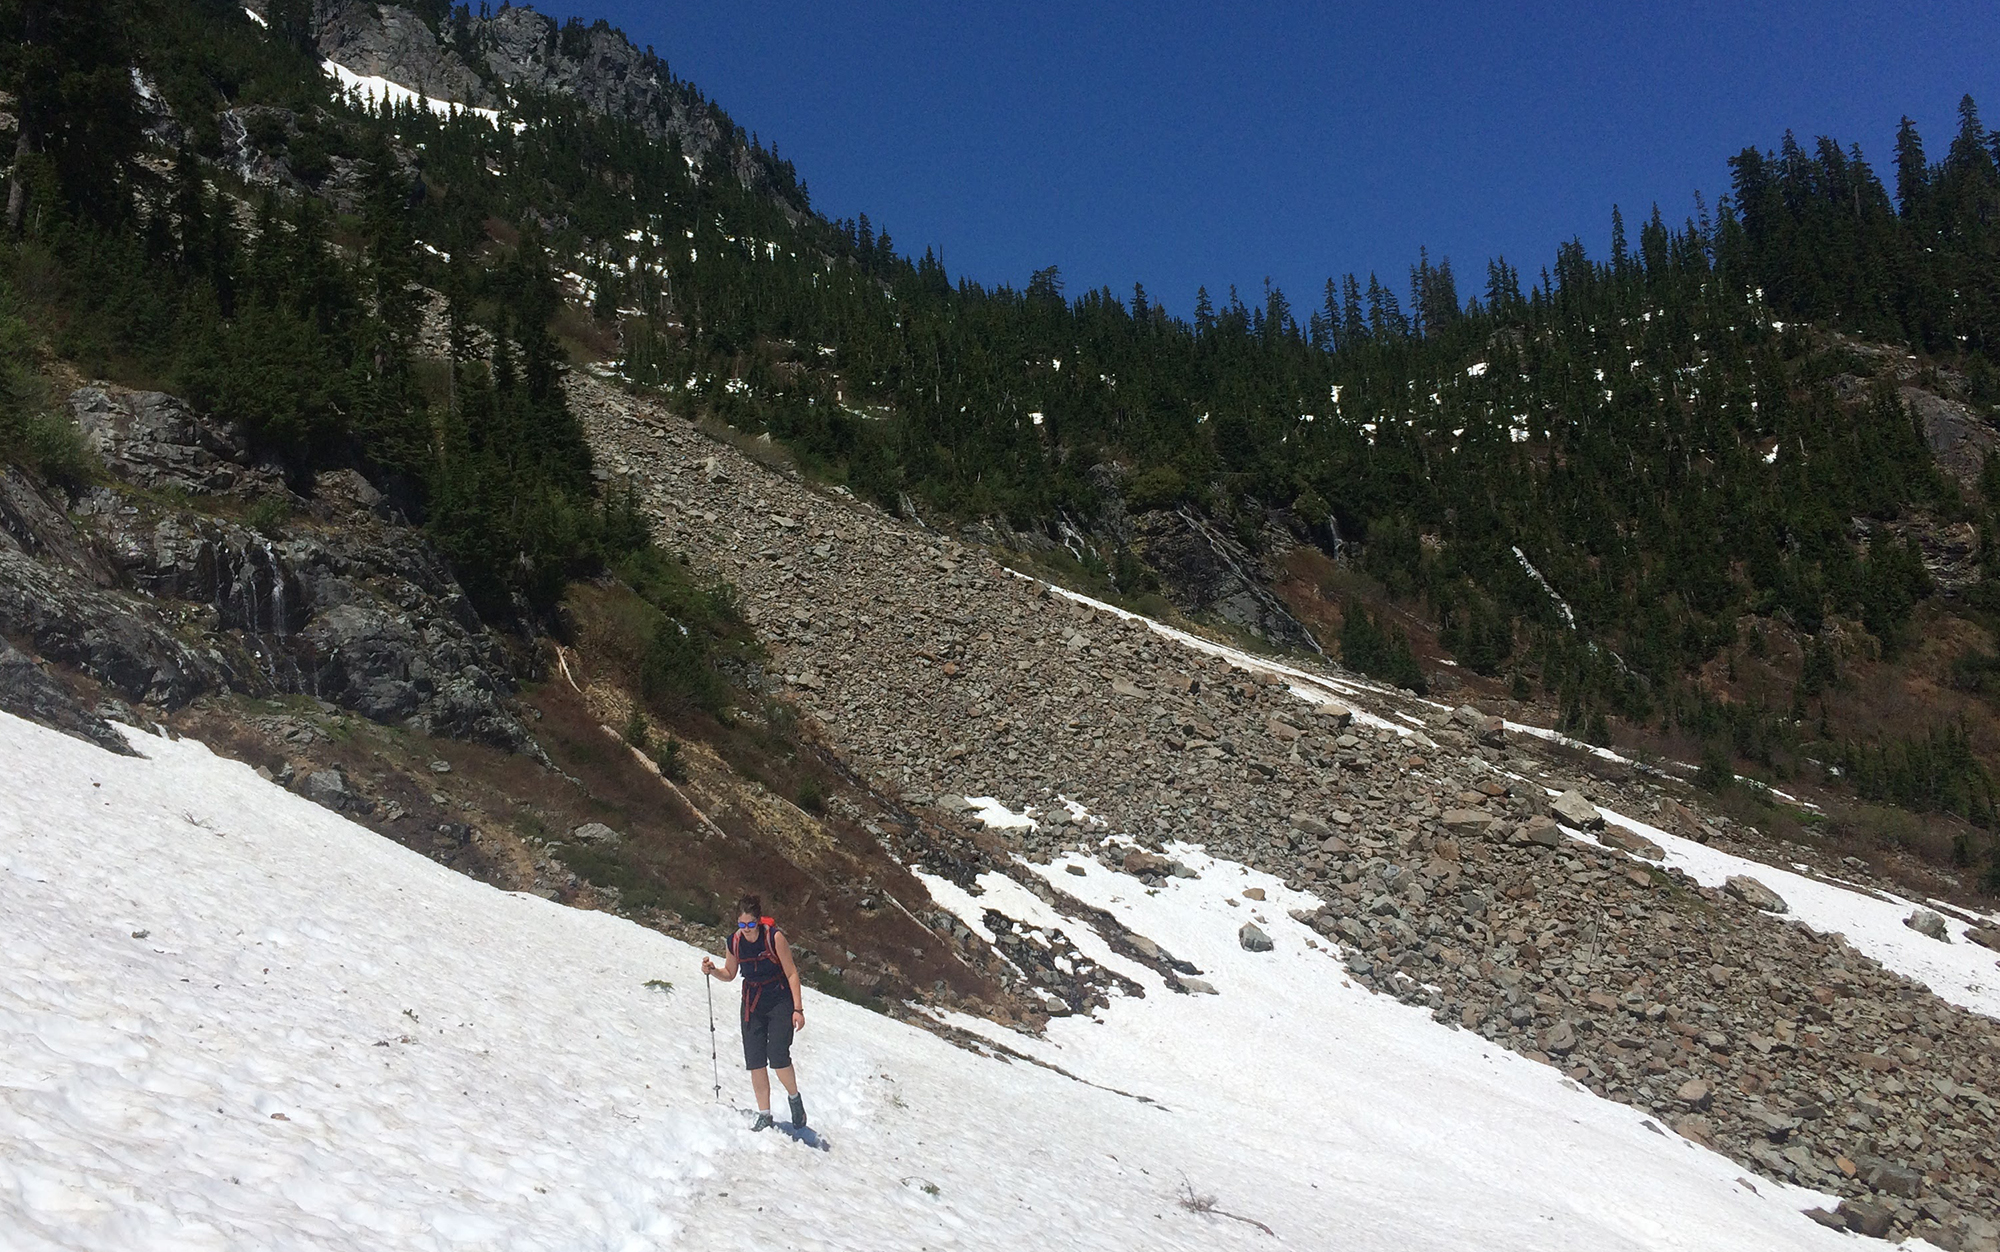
{"x":162,"y":604}
{"x":26,"y":691}
{"x":1207,"y":572}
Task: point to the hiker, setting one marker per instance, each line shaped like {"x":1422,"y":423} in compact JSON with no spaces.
{"x":773,"y":1004}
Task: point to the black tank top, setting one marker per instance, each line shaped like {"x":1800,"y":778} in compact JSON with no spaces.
{"x":757,"y":962}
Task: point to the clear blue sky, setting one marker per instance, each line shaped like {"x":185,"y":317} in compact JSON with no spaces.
{"x":1178,"y":144}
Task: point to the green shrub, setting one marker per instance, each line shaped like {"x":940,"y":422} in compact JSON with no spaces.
{"x":32,"y":434}
{"x":268,"y":516}
{"x":668,"y":758}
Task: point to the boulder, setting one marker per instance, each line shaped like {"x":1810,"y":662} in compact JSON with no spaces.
{"x":1559,"y":1039}
{"x":328,"y":788}
{"x":1486,"y":729}
{"x":1335,"y":712}
{"x":1755,"y":894}
{"x":1141,"y":863}
{"x":1985,"y":936}
{"x":1928,"y":924}
{"x":1540,"y":830}
{"x":1631,"y":841}
{"x":1889,"y":1177}
{"x":1194,"y":986}
{"x":1572,"y":809}
{"x":1864,"y":1218}
{"x":595,"y":832}
{"x":1467,"y":821}
{"x":1253,"y":939}
{"x":1312,"y":826}
{"x":1696,"y":1094}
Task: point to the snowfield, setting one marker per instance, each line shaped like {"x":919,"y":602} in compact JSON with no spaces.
{"x":230,"y":1019}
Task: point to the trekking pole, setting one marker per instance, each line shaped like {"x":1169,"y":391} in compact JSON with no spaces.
{"x":713,"y":1061}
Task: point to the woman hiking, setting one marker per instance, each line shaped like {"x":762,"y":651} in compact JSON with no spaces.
{"x":773,"y":1004}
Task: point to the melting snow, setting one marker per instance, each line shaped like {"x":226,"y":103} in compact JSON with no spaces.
{"x":231,"y":1018}
{"x":377,"y":91}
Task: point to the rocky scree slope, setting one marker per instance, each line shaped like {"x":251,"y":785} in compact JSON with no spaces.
{"x":1448,"y":883}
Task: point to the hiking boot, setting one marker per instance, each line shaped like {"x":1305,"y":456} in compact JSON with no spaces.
{"x":798,"y":1111}
{"x":763,"y":1121}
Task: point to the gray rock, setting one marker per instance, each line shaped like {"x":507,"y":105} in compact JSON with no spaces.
{"x":1774,"y":1126}
{"x":154,"y":440}
{"x":1570,"y":807}
{"x":1755,"y":894}
{"x":1867,"y":1219}
{"x":25,"y":691}
{"x":1928,"y":924}
{"x":327,"y":788}
{"x":1887,"y":1176}
{"x":524,"y":50}
{"x":1253,"y":939}
{"x":1194,"y":986}
{"x":1559,"y":1039}
{"x":595,"y":832}
{"x":1696,"y":1094}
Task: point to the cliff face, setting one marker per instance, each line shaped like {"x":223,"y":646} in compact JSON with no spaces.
{"x":197,"y":570}
{"x":492,"y":62}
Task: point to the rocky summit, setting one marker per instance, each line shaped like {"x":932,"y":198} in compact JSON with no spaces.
{"x":1434,"y":836}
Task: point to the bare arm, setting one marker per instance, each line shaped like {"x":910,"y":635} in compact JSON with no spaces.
{"x":784,"y":949}
{"x":726,"y":972}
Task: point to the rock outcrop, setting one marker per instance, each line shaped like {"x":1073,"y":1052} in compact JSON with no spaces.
{"x":159,"y":589}
{"x":517,"y":52}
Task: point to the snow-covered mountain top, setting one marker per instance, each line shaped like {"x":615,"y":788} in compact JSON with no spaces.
{"x":231,"y":1018}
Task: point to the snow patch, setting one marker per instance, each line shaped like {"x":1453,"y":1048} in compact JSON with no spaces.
{"x":377,"y":91}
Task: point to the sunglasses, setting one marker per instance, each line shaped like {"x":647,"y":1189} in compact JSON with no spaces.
{"x":746,"y":925}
